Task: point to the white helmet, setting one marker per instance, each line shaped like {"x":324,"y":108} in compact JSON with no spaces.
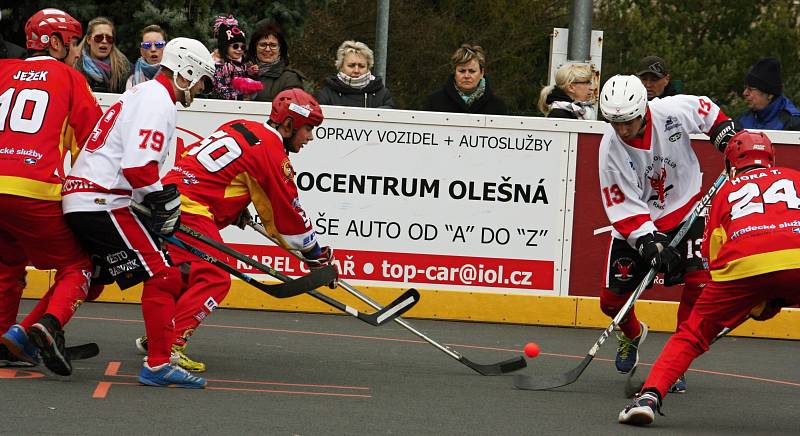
{"x":189,"y":58}
{"x":623,"y":98}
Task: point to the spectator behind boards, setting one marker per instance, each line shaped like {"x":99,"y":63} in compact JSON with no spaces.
{"x":269,"y":50}
{"x":467,"y":90}
{"x":230,"y":60}
{"x":654,"y":74}
{"x":768,"y":108}
{"x":573,"y":94}
{"x":104,"y":66}
{"x":154,"y":38}
{"x":354,"y":84}
{"x":10,"y":50}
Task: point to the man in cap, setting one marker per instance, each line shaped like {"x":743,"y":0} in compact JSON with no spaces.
{"x":654,"y":74}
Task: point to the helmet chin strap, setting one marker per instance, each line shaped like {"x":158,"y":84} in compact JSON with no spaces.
{"x":287,"y":142}
{"x":187,"y":99}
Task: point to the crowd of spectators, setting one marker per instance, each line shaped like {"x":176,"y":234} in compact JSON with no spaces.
{"x":257,"y":68}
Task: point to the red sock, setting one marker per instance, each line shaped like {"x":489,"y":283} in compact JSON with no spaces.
{"x":158,"y":309}
{"x":611,"y":303}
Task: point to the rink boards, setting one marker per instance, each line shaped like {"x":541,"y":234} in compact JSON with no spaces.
{"x":492,"y":218}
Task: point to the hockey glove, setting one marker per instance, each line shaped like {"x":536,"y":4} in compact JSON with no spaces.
{"x":243,"y":219}
{"x":722,"y":134}
{"x":322,"y":257}
{"x":165,"y":210}
{"x":656,"y":252}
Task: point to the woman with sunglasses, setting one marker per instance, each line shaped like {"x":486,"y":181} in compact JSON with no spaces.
{"x":572,"y":96}
{"x":230,"y":60}
{"x":104,"y":66}
{"x":268,"y":48}
{"x":154,"y":38}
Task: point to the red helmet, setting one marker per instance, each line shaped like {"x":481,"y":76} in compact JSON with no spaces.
{"x":750,"y":149}
{"x":298,"y":105}
{"x":43,"y":24}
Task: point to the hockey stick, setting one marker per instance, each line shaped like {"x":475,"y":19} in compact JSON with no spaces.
{"x":527,"y":382}
{"x":291,"y":288}
{"x":83,"y":351}
{"x":391,"y":311}
{"x":632,"y":389}
{"x":498,"y":368}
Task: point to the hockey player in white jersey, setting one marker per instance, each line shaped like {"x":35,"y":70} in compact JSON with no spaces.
{"x":649,"y":182}
{"x":120,"y":163}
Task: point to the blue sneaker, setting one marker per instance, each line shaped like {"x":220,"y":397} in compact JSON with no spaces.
{"x":9,"y":360}
{"x":679,"y":386}
{"x":16,"y":341}
{"x":170,"y":375}
{"x":628,"y":350}
{"x":642,"y":411}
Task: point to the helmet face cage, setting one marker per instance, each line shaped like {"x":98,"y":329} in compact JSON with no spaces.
{"x":747,"y":149}
{"x":189,"y":58}
{"x":298,"y":105}
{"x":40,"y":28}
{"x":623,"y":98}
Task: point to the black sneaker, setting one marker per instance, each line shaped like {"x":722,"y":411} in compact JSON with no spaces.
{"x":643,"y":409}
{"x":49,"y":338}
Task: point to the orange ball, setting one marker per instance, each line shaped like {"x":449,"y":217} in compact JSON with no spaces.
{"x":531,"y":349}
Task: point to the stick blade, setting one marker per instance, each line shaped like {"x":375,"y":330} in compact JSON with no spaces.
{"x":530,"y":383}
{"x":499,"y":368}
{"x":398,"y":307}
{"x":84,"y":351}
{"x":313,"y":280}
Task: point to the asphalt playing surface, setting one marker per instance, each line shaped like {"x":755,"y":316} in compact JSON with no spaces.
{"x":299,"y":374}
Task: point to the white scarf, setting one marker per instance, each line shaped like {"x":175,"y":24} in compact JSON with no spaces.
{"x":356,"y":82}
{"x":584,"y":110}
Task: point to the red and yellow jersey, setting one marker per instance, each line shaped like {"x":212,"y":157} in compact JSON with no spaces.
{"x":244,"y":161}
{"x":46,"y":111}
{"x":754,"y":225}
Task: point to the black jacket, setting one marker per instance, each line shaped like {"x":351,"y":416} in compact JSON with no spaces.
{"x":446,"y":99}
{"x":336,"y":93}
{"x":10,"y":50}
{"x":558,"y":94}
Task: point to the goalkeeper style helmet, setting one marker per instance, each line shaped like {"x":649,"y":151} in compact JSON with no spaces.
{"x":623,"y":98}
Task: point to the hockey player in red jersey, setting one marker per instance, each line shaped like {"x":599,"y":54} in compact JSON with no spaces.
{"x":752,"y":246}
{"x":650,"y":181}
{"x":242,"y":162}
{"x":120,"y":163}
{"x":46,"y":109}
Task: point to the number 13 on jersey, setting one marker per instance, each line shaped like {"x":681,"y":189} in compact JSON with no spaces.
{"x":613,"y":195}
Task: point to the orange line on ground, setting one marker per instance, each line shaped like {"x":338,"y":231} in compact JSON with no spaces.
{"x":116,"y":365}
{"x":477,"y":347}
{"x":102,"y":389}
{"x":113,"y":368}
{"x":275,"y":391}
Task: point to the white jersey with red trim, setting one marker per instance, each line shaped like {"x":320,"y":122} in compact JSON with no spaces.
{"x":124,"y":154}
{"x":652,"y":183}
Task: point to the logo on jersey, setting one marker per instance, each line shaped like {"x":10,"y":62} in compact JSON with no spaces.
{"x":658,"y":184}
{"x":288,"y":171}
{"x":30,"y":161}
{"x":624,"y":269}
{"x":671,"y":123}
{"x":211,"y":304}
{"x":675,"y":137}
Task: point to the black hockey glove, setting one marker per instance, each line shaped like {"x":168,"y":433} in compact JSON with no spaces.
{"x":243,"y":219}
{"x":165,"y":210}
{"x":325,"y":257}
{"x":723,"y":133}
{"x":656,"y":252}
